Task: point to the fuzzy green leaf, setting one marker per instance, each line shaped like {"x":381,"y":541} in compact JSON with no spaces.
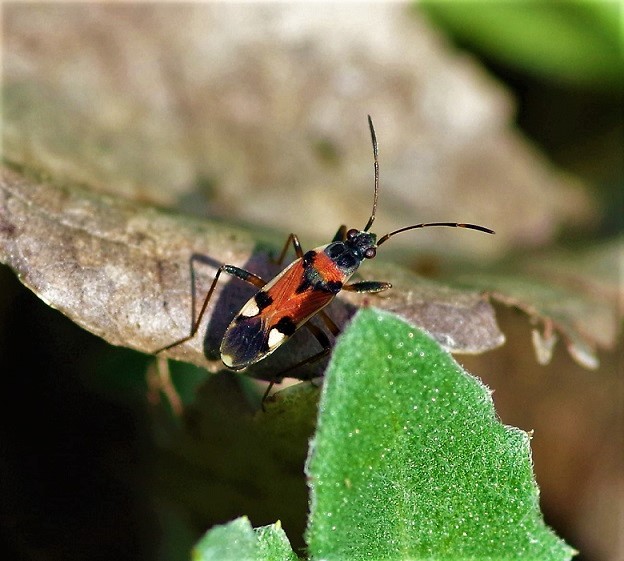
{"x":410,"y":461}
{"x":273,"y":544}
{"x":238,"y":541}
{"x":234,"y":541}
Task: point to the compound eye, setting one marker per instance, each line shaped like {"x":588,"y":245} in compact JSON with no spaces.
{"x":352,"y":233}
{"x":370,"y":253}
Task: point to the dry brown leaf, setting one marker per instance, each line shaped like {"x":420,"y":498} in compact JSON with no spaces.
{"x":124,"y":272}
{"x":574,"y":295}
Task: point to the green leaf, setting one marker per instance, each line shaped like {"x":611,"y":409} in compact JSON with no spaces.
{"x":238,"y":541}
{"x":410,"y":461}
{"x":234,"y":541}
{"x":273,"y":543}
{"x":575,"y":42}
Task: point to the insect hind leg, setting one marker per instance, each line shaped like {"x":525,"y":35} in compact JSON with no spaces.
{"x":237,"y":272}
{"x":323,"y":341}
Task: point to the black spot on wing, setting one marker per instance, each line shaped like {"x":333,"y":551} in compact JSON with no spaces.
{"x":313,"y":279}
{"x":308,"y":259}
{"x":286,"y":326}
{"x":309,"y":273}
{"x":244,"y":342}
{"x":303,"y":286}
{"x":333,"y":286}
{"x":263,"y":299}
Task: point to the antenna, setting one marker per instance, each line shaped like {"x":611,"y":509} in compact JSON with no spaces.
{"x":426,"y":225}
{"x":376,"y":164}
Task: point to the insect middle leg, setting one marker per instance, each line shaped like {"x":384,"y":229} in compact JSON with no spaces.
{"x":230,"y":270}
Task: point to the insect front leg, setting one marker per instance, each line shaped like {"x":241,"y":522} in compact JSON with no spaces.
{"x":230,"y":270}
{"x":370,"y":287}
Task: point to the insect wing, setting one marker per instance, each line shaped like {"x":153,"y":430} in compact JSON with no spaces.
{"x":271,"y":317}
{"x":244,"y":342}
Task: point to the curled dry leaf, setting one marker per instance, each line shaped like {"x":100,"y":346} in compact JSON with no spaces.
{"x":572,"y":295}
{"x":130,"y":273}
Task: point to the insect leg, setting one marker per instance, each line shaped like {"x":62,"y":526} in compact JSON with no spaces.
{"x":296,"y":245}
{"x":324,"y":342}
{"x":367,"y":286}
{"x":329,"y":323}
{"x":230,"y":270}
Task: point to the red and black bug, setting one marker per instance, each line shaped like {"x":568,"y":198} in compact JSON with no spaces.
{"x":302,"y":290}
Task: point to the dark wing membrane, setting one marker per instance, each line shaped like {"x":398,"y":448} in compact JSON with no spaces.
{"x":244,"y":342}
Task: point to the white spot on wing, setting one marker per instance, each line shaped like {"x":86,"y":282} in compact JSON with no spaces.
{"x":250,"y":310}
{"x":275,"y":338}
{"x":228,"y":360}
